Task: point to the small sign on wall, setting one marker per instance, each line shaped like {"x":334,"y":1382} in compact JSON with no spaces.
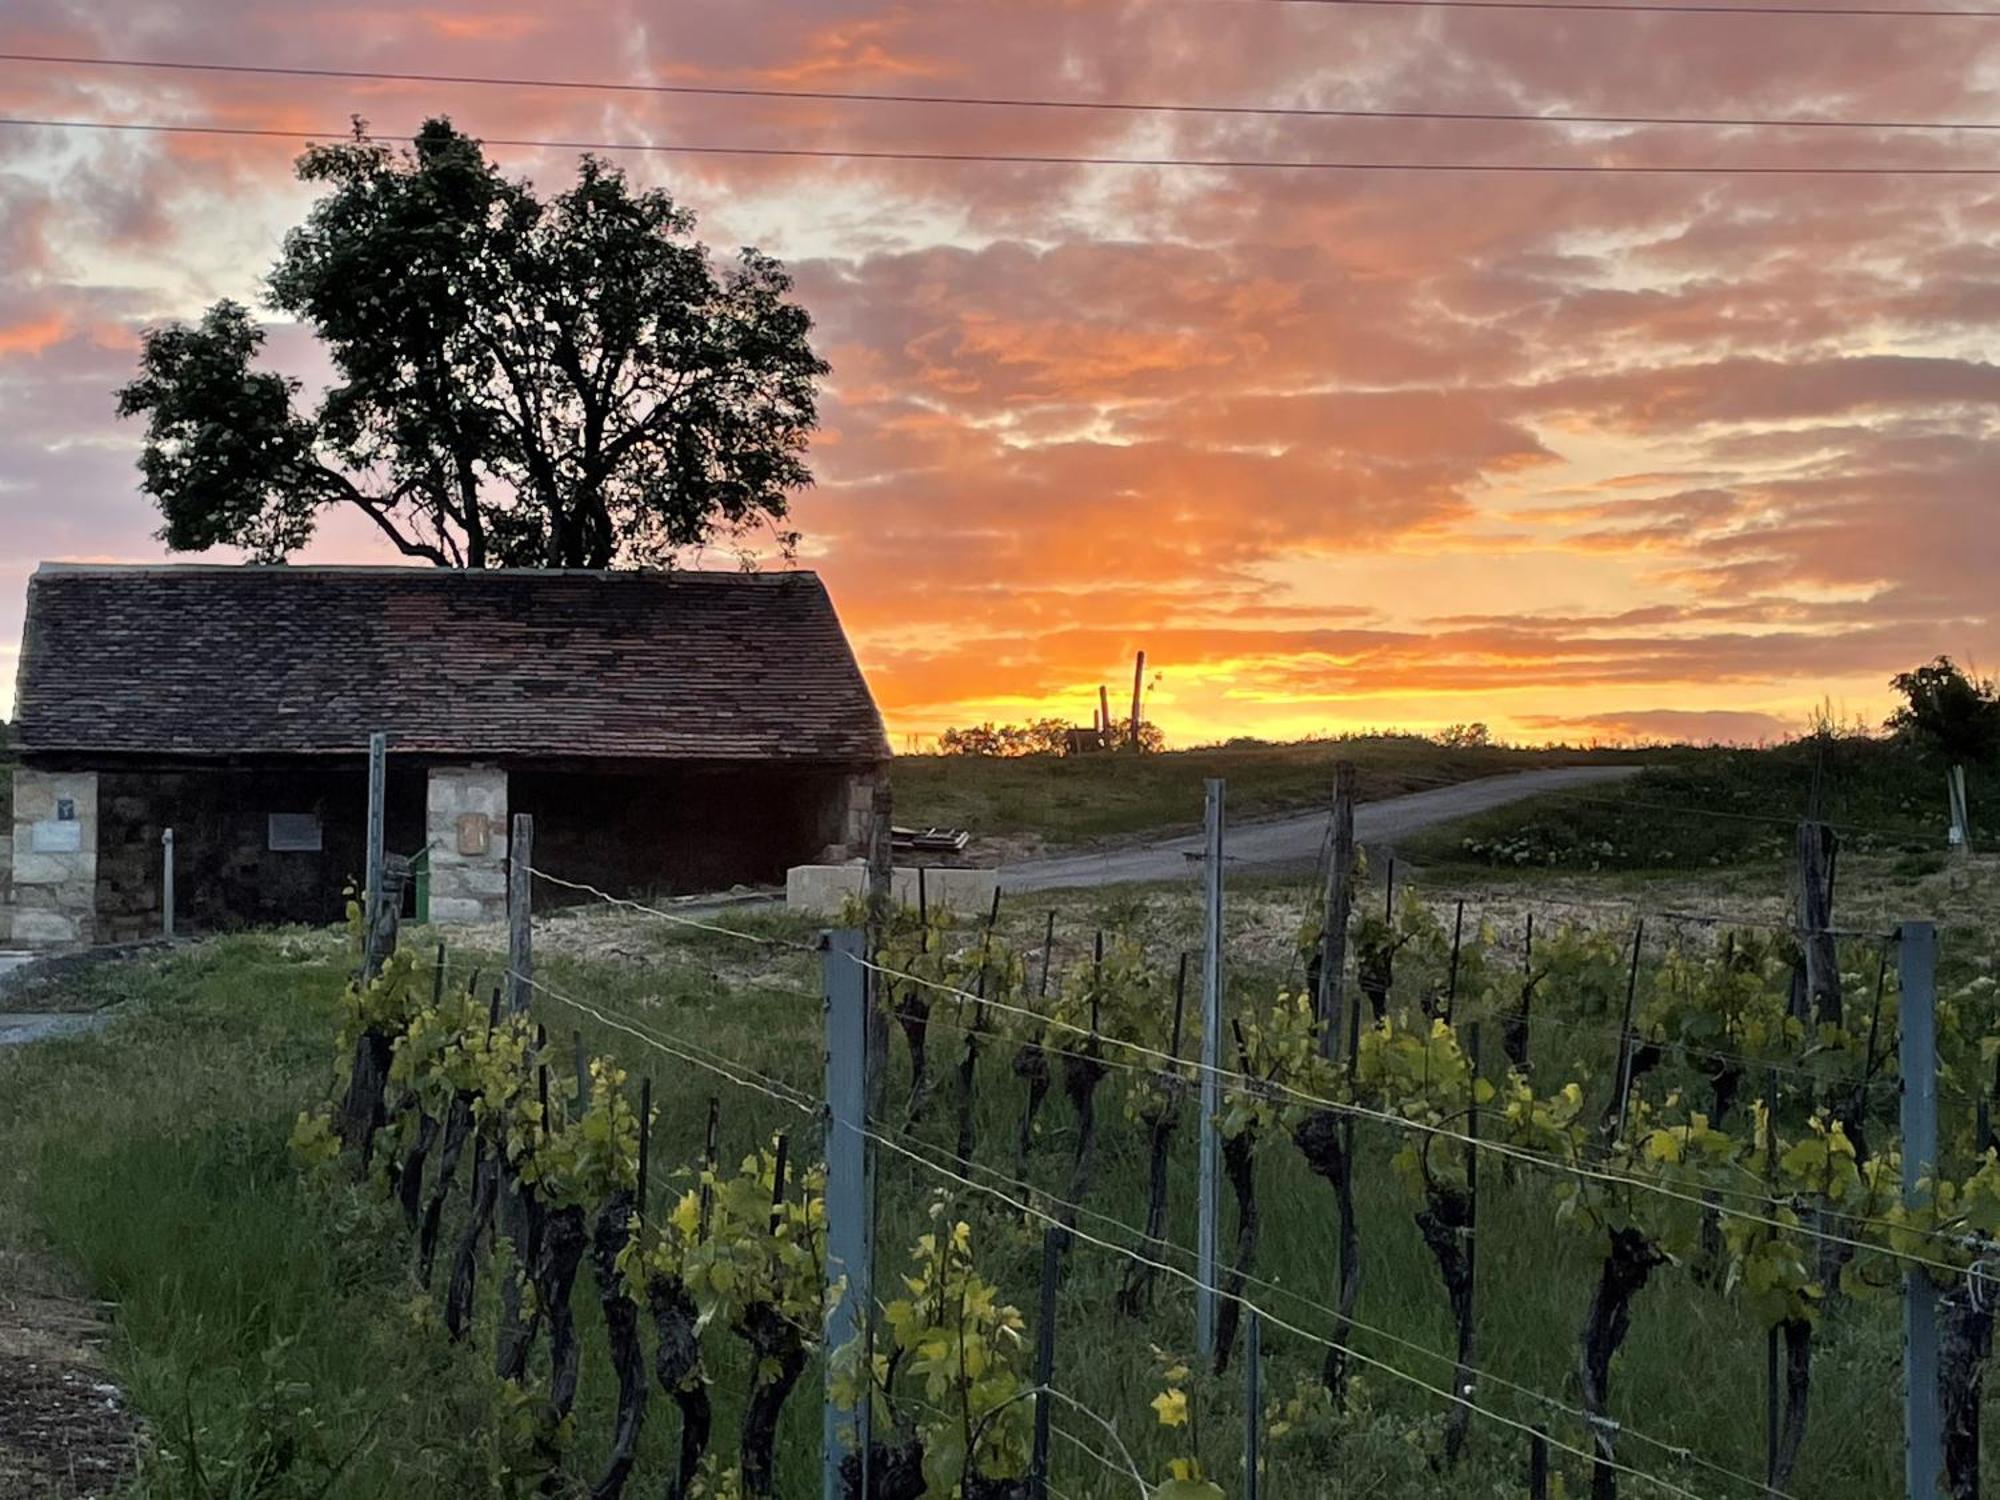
{"x":57,"y":836}
{"x":294,"y":833}
{"x":475,"y":833}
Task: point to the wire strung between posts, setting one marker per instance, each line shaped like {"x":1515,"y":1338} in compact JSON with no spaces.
{"x":1556,"y":1164}
{"x":805,"y":1103}
{"x":730,"y":982}
{"x":740,"y":1074}
{"x":1611,"y":1035}
{"x":1475,"y":1377}
{"x":745,"y":1077}
{"x":1129,"y":1469}
{"x":1104,"y":1460}
{"x":1275,"y":1320}
{"x":673,"y":917}
{"x":1269,"y":1087}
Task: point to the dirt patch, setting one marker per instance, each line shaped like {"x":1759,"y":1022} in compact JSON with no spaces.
{"x":65,"y":1430}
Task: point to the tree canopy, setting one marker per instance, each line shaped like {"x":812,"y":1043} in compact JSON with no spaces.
{"x":1955,"y":713}
{"x":521,"y":382}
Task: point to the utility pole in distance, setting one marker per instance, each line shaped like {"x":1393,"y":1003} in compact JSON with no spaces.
{"x":1138,"y":694}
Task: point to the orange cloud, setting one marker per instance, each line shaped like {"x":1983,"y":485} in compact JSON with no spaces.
{"x":1334,"y":449}
{"x":34,"y":335}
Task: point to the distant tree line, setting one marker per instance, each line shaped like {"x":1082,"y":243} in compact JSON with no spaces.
{"x":1040,"y":737}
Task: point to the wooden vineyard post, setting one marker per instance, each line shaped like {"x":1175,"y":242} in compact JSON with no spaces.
{"x":383,"y":916}
{"x":1961,"y":817}
{"x":1923,"y":1428}
{"x":1625,"y":1031}
{"x":1514,"y":1037}
{"x":520,"y":922}
{"x":378,"y":798}
{"x":1208,"y":1215}
{"x":1333,"y":920}
{"x":1538,"y":1463}
{"x":1817,"y":848}
{"x":1457,"y":944}
{"x":1045,"y":1363}
{"x":645,"y":1143}
{"x":849,"y":1251}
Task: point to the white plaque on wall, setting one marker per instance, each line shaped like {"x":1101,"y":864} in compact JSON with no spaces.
{"x":54,"y":836}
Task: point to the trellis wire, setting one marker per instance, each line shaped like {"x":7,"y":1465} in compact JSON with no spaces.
{"x":1500,"y":1148}
{"x":746,"y":1077}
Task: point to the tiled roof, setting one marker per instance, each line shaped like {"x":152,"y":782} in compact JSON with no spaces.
{"x":255,"y":660}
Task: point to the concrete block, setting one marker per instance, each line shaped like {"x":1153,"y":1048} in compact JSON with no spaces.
{"x":822,"y":890}
{"x":464,"y":911}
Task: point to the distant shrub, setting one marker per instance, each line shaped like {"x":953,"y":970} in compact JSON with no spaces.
{"x":1038,"y":737}
{"x":1473,"y":736}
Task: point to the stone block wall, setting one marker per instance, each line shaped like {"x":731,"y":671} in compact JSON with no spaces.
{"x":55,"y":891}
{"x":465,"y":827}
{"x":858,"y":814}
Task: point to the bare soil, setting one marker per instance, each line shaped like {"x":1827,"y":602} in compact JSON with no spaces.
{"x":65,"y":1430}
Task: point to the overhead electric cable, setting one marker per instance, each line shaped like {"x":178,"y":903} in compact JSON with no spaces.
{"x":1034,"y":159}
{"x":983,"y":101}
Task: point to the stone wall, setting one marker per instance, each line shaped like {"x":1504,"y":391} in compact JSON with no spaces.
{"x":227,"y":874}
{"x":55,"y":889}
{"x":857,"y":816}
{"x":465,"y":827}
{"x":7,"y":882}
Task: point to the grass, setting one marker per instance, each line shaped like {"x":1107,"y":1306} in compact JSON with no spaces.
{"x":1067,"y":800}
{"x":267,"y":1321}
{"x":1727,"y":807}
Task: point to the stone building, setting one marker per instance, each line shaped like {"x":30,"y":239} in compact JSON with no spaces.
{"x":669,"y":732}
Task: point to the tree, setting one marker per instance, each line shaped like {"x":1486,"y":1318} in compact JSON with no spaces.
{"x":1473,"y":736}
{"x":1040,"y":737}
{"x":1956,"y":713}
{"x":518,"y":382}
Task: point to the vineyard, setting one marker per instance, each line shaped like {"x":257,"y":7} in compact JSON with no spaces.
{"x":1585,"y":1200}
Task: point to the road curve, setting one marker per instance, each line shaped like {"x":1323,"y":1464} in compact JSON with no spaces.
{"x":1277,"y":845}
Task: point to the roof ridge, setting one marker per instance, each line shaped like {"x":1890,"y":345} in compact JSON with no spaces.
{"x":61,"y":568}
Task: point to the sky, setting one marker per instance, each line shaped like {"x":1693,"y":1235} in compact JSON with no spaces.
{"x":1583,"y":456}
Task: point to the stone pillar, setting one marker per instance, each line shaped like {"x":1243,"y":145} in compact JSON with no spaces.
{"x":465,"y":824}
{"x":55,"y":857}
{"x":859,"y":819}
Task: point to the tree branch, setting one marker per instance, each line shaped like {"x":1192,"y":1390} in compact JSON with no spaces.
{"x":378,"y":512}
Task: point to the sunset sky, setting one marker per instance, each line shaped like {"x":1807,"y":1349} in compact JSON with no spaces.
{"x":1579,"y":455}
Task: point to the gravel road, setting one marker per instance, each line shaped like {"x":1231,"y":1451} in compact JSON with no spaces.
{"x":1279,"y":845}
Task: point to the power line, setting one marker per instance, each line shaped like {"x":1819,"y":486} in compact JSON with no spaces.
{"x":1036,"y":159}
{"x":1656,"y":7}
{"x":984,"y":101}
